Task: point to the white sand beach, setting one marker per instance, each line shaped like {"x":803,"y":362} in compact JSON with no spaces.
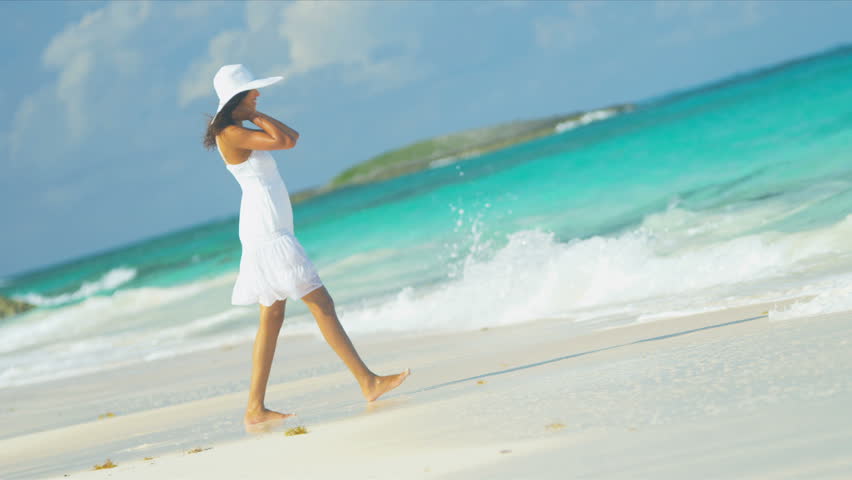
{"x":728,"y":394}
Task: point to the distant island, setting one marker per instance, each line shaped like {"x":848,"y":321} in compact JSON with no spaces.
{"x":454,"y":147}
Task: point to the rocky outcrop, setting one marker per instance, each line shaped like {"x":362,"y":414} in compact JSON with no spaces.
{"x":9,"y":307}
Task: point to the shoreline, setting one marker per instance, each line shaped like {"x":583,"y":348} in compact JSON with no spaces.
{"x":707,"y":380}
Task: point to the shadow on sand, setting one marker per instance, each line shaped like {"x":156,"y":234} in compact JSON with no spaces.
{"x":580,"y":354}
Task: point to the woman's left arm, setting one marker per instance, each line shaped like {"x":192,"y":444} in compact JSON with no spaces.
{"x":294,"y":135}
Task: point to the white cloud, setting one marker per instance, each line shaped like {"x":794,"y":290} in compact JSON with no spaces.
{"x":248,"y":46}
{"x":350,"y":34}
{"x":374,"y":43}
{"x":101,"y":34}
{"x":71,"y":90}
{"x":86,"y":55}
{"x":323,"y":34}
{"x":98,"y":42}
{"x":22,"y":119}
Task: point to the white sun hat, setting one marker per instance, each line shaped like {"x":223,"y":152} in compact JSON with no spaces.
{"x":233,"y":79}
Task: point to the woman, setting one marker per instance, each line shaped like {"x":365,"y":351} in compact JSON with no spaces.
{"x":273,"y":265}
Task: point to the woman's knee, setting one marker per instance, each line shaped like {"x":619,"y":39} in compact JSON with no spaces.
{"x":275,"y":311}
{"x":319,"y":298}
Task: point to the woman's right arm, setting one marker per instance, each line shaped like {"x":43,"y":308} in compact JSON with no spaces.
{"x":294,"y":135}
{"x":274,"y":136}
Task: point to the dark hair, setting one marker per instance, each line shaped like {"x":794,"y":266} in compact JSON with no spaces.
{"x":222,"y":120}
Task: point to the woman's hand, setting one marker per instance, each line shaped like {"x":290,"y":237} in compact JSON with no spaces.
{"x":294,"y":135}
{"x":242,"y":112}
{"x":255,"y":115}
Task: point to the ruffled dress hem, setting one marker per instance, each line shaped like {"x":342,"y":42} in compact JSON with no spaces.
{"x":274,"y":270}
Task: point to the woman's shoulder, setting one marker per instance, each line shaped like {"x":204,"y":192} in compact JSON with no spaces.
{"x":223,"y":136}
{"x":230,"y":132}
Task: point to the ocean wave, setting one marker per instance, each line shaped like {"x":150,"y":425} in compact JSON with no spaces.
{"x":535,"y":276}
{"x":109,"y":281}
{"x":584,"y":119}
{"x":657,"y":270}
{"x":94,"y":315}
{"x":130,"y":326}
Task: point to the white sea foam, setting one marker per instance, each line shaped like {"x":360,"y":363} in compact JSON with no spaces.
{"x":110,"y":280}
{"x":95,"y":314}
{"x":534,"y":276}
{"x":127,"y":327}
{"x":584,"y":119}
{"x":833,"y":298}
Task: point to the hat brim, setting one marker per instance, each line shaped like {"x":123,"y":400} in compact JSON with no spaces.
{"x":259,"y":83}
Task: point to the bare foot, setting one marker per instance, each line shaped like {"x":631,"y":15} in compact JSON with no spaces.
{"x":383,"y":384}
{"x":265,"y":416}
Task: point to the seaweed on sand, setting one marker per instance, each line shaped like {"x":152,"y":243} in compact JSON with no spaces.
{"x":300,"y":430}
{"x":107,"y":464}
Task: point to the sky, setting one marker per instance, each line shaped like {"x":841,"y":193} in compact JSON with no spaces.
{"x":104,"y":102}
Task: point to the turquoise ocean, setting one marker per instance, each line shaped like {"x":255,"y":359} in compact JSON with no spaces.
{"x":733,"y":193}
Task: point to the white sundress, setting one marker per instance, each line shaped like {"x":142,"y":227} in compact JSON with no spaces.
{"x":273,"y":264}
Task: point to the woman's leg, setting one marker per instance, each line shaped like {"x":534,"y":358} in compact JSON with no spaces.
{"x":271,"y":319}
{"x":321,"y":305}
